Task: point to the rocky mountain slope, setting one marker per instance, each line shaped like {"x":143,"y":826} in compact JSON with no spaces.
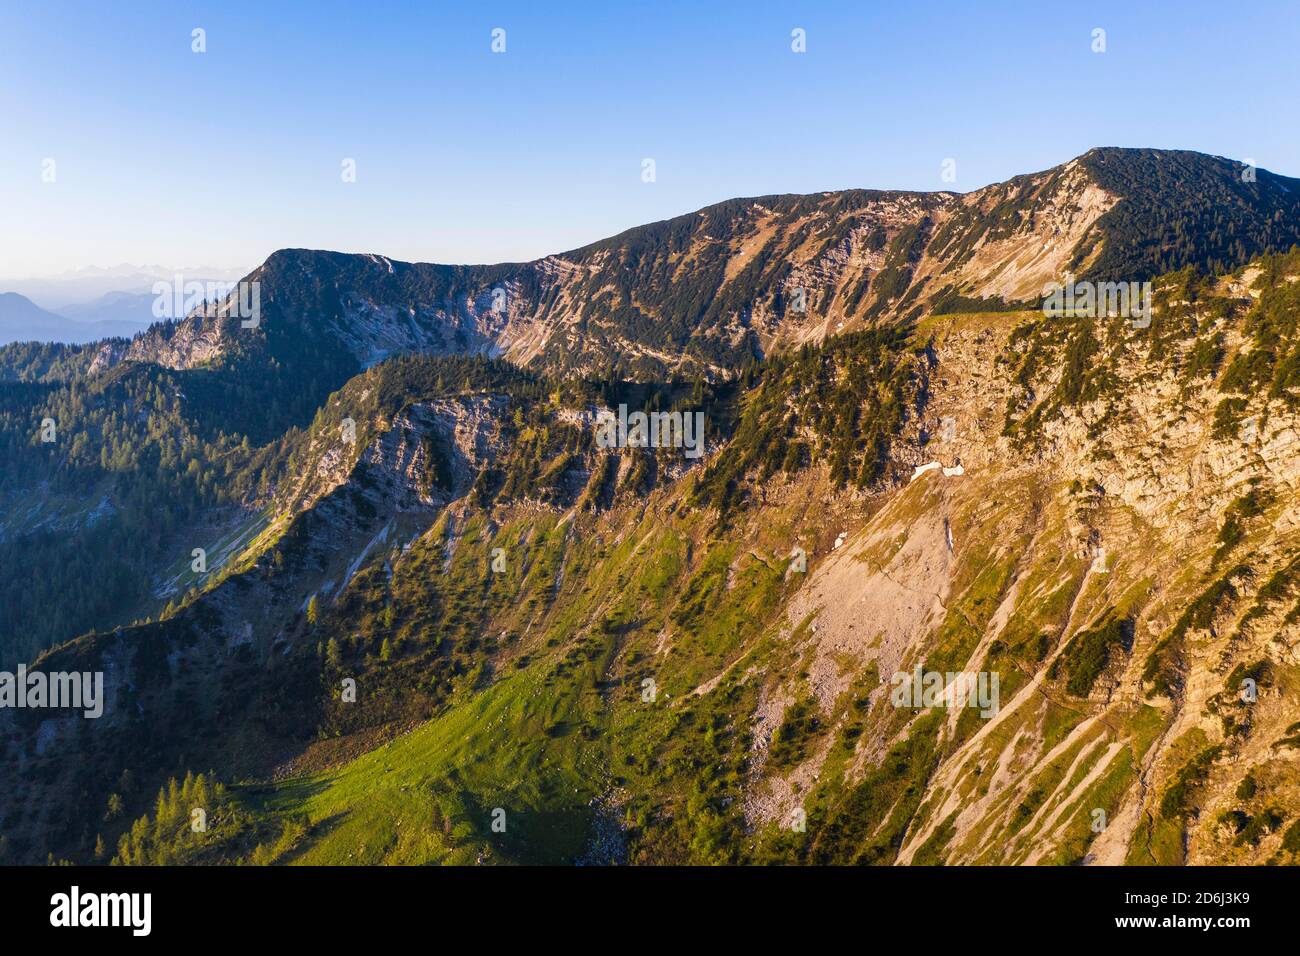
{"x":442,"y":624}
{"x":703,"y":293}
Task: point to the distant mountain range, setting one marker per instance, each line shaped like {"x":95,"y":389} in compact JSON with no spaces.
{"x":88,"y":304}
{"x":116,"y":315}
{"x":88,"y":283}
{"x":131,"y":308}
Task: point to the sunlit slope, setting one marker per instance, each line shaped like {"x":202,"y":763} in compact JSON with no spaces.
{"x":635,"y":660}
{"x":568,"y":723}
{"x":1116,"y":555}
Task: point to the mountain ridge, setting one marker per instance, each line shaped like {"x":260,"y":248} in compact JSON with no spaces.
{"x":769,"y":272}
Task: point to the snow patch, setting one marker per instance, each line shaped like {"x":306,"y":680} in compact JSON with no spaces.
{"x":955,"y":470}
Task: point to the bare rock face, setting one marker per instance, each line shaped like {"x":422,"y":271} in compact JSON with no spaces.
{"x":191,"y":342}
{"x":1114,"y":513}
{"x":107,"y":356}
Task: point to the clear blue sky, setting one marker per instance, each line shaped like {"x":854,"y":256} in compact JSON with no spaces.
{"x":171,"y":157}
